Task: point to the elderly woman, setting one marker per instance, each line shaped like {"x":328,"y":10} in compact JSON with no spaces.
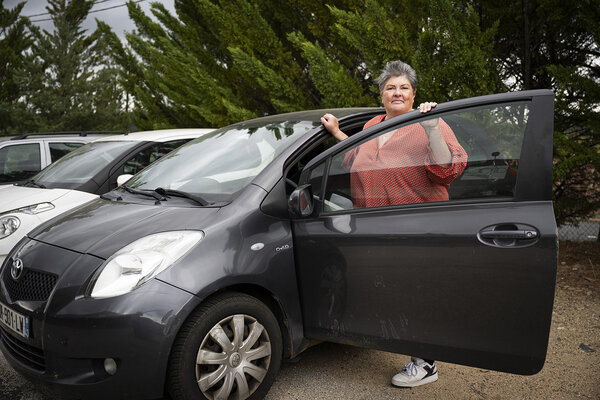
{"x":417,"y":163}
{"x":419,"y":160}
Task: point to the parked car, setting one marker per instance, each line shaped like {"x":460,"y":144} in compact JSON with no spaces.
{"x":24,"y":155}
{"x":79,"y":177}
{"x":242,"y":247}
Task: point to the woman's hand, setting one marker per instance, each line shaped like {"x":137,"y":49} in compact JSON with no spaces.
{"x":430,"y":124}
{"x":330,"y":122}
{"x":427,"y":106}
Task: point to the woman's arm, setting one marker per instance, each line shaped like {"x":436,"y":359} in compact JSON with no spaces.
{"x":330,"y":123}
{"x":439,"y":148}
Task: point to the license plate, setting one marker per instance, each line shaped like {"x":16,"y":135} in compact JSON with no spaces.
{"x":14,"y":321}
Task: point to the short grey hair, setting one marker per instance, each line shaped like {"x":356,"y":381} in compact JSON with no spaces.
{"x":397,"y":68}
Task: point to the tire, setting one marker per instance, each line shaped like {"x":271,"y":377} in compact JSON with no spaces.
{"x":209,"y":362}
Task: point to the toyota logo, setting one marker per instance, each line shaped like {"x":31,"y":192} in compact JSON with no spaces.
{"x":17,"y":269}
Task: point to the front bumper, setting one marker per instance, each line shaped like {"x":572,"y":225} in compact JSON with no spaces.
{"x":71,"y":335}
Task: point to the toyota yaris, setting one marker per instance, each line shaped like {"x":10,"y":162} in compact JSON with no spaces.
{"x":205,"y":270}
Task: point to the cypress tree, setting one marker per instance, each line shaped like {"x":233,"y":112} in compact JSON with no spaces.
{"x":454,"y":57}
{"x":555,"y":45}
{"x":221,"y":61}
{"x":15,"y":40}
{"x":69,"y":81}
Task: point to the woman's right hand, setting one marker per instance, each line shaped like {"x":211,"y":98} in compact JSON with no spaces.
{"x":330,"y":122}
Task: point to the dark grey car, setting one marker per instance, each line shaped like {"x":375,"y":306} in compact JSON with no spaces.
{"x":244,"y":246}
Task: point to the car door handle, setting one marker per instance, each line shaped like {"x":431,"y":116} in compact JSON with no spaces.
{"x":512,"y":234}
{"x":508,"y":235}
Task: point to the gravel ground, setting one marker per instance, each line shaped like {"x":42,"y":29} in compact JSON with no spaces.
{"x":330,"y":371}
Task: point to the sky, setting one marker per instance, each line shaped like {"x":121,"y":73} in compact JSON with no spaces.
{"x":112,"y":12}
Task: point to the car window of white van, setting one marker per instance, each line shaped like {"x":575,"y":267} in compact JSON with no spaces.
{"x":19,"y":161}
{"x":83,"y":163}
{"x":57,"y":150}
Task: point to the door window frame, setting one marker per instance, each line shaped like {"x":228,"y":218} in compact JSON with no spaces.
{"x":531,"y":183}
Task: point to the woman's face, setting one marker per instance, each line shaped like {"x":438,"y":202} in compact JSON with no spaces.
{"x":397,"y":96}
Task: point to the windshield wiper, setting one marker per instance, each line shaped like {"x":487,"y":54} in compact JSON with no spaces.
{"x":147,"y":193}
{"x":33,"y":183}
{"x":178,"y":193}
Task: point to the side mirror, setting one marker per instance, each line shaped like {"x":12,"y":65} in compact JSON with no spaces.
{"x":123,"y":178}
{"x":300,"y":203}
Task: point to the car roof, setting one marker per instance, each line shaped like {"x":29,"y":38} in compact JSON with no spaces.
{"x":312,"y":115}
{"x":80,"y":135}
{"x":53,"y":138}
{"x":161,"y":135}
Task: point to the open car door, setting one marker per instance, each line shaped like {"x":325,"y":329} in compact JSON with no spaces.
{"x":468,"y":280}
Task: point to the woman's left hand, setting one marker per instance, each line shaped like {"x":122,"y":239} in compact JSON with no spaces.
{"x":426,"y":107}
{"x":430,"y":123}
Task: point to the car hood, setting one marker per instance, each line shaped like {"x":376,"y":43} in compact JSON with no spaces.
{"x":102,"y":227}
{"x":15,"y":197}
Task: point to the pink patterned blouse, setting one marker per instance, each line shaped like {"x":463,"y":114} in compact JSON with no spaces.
{"x":403,"y":170}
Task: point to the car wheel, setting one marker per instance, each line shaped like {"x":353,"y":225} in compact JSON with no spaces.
{"x":230,"y":348}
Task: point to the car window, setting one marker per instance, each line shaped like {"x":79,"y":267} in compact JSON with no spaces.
{"x":57,"y":150}
{"x":220,"y":164}
{"x":19,"y":161}
{"x":150,"y":154}
{"x":80,"y":165}
{"x":485,"y":145}
{"x":294,"y":170}
{"x":316,"y":179}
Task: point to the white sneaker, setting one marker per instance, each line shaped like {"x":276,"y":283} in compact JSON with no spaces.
{"x":416,"y":373}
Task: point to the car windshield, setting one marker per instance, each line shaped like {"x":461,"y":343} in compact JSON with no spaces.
{"x":80,"y":165}
{"x":220,"y":164}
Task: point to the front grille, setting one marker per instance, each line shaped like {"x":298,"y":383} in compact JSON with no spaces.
{"x":23,"y":352}
{"x":32,"y":286}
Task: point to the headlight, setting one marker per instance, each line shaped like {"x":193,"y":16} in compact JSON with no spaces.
{"x":140,"y":261}
{"x":8,"y":225}
{"x":35,"y":209}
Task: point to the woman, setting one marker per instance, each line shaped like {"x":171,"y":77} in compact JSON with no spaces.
{"x":418,"y":161}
